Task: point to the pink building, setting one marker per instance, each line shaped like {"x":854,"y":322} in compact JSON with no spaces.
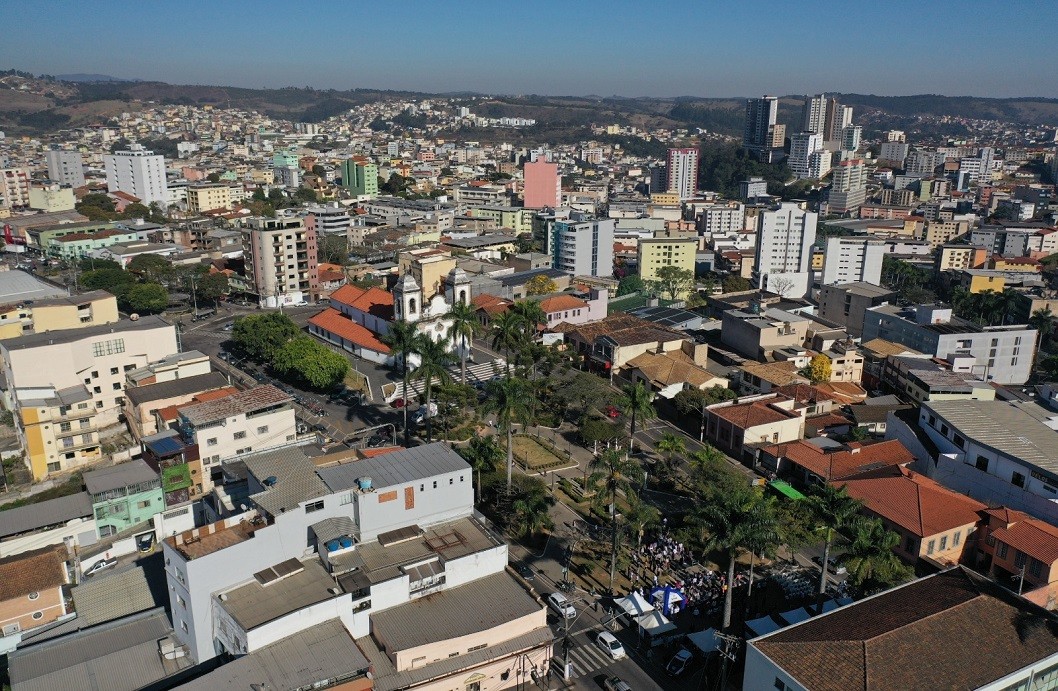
{"x":543,"y":185}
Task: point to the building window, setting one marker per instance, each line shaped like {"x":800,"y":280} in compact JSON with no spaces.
{"x":34,"y":595}
{"x":37,"y":616}
{"x":313,"y":507}
{"x":143,"y":504}
{"x":116,"y":386}
{"x":929,"y":546}
{"x":1035,"y":567}
{"x":1017,"y":479}
{"x":114,"y":370}
{"x":239,"y":435}
{"x":956,"y":539}
{"x":1019,"y":559}
{"x":944,"y":543}
{"x":1001,"y":550}
{"x":263,"y":429}
{"x":982,"y":463}
{"x":346,"y":498}
{"x":211,"y":442}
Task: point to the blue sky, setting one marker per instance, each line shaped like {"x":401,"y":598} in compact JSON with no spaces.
{"x":644,"y":48}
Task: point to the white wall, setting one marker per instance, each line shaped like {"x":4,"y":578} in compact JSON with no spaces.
{"x":761,"y":673}
{"x":56,"y":536}
{"x":339,"y":607}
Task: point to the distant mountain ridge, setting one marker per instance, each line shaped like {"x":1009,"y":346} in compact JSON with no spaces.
{"x":81,"y":77}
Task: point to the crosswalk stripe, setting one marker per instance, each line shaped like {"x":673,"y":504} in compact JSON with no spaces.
{"x":587,"y":658}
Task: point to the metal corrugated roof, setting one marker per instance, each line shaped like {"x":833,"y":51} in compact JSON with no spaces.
{"x":1015,"y":429}
{"x":117,"y":476}
{"x":184,"y":386}
{"x":296,"y":479}
{"x":45,"y":513}
{"x":397,"y":468}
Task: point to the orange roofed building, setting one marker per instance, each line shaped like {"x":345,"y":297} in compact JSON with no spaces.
{"x":356,"y":320}
{"x":1013,"y":544}
{"x":824,"y":460}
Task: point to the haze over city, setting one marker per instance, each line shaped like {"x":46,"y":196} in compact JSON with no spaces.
{"x":551,"y":47}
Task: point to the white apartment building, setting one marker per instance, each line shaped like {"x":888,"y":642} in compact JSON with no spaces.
{"x":894,"y":151}
{"x":96,"y":358}
{"x":330,"y":219}
{"x":138,"y":172}
{"x":280,"y":254}
{"x":785,"y":236}
{"x":208,"y":197}
{"x":850,"y":138}
{"x":848,"y":187}
{"x":65,"y":167}
{"x":683,"y":172}
{"x":14,"y":187}
{"x":802,"y":147}
{"x":814,"y":116}
{"x":851,"y":259}
{"x":582,"y":245}
{"x":242,"y":423}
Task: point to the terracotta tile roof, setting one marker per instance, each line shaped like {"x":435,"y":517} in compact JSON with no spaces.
{"x":110,"y":232}
{"x":623,"y":329}
{"x":31,"y":572}
{"x":560,"y":303}
{"x":820,"y":422}
{"x":125,"y":195}
{"x":839,"y":465}
{"x":238,"y":403}
{"x":884,"y":347}
{"x":333,"y":321}
{"x":665,"y":369}
{"x":491,"y":304}
{"x":752,"y":414}
{"x":173,"y":411}
{"x":373,"y":300}
{"x":1032,"y":536}
{"x":914,"y":502}
{"x":776,"y":373}
{"x":843,"y":391}
{"x":976,"y":633}
{"x":801,"y":392}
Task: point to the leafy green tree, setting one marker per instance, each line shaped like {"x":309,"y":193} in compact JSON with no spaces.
{"x":530,"y":316}
{"x":640,"y":518}
{"x":834,"y":510}
{"x":261,"y":335}
{"x":511,"y":401}
{"x":1043,"y":321}
{"x":484,"y":454}
{"x":673,"y":281}
{"x":465,"y":325}
{"x":638,"y":404}
{"x":612,"y":473}
{"x":630,"y":284}
{"x":333,"y":249}
{"x":532,"y":511}
{"x":731,"y":523}
{"x":671,"y":445}
{"x":594,"y":429}
{"x":136,"y":210}
{"x":98,"y":200}
{"x":736,"y":284}
{"x":151,"y":267}
{"x":404,"y":341}
{"x":259,"y":195}
{"x":434,"y":360}
{"x":869,"y":557}
{"x":303,"y":358}
{"x":212,"y":286}
{"x":148,"y":298}
{"x":114,"y":280}
{"x":507,"y":334}
{"x":695,"y":401}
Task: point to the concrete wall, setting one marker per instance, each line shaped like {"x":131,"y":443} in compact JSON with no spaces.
{"x":761,"y":673}
{"x":21,"y":610}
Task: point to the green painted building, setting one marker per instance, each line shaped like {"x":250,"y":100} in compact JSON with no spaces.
{"x":123,"y":496}
{"x":42,"y":238}
{"x":360,"y":177}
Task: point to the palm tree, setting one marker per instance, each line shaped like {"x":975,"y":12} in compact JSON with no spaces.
{"x":507,"y":334}
{"x":833,"y":510}
{"x":1043,"y":321}
{"x":434,"y":360}
{"x":404,"y":340}
{"x":611,"y":474}
{"x":671,"y":445}
{"x":465,"y":326}
{"x":640,"y":517}
{"x":730,"y":524}
{"x":637,"y":403}
{"x":870,"y":559}
{"x":511,"y":401}
{"x":531,"y":315}
{"x":531,"y":514}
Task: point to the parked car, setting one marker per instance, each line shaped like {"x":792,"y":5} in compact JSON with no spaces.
{"x":678,"y":664}
{"x":101,"y":565}
{"x":145,"y":543}
{"x":612,"y":412}
{"x":616,"y":684}
{"x":561,"y":606}
{"x":398,"y":403}
{"x":609,"y":643}
{"x":526,"y":572}
{"x":833,"y":566}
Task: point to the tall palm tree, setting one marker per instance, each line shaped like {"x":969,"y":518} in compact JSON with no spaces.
{"x":511,"y":401}
{"x":612,"y":473}
{"x":729,"y":524}
{"x":638,"y":404}
{"x":1043,"y":321}
{"x":870,"y":559}
{"x":833,"y":510}
{"x":404,"y":340}
{"x":671,"y":445}
{"x":531,"y":315}
{"x":531,"y":514}
{"x":465,"y":326}
{"x":507,"y":334}
{"x":640,"y":517}
{"x":434,"y":360}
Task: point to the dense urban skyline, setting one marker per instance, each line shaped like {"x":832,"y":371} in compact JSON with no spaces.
{"x":548,"y":48}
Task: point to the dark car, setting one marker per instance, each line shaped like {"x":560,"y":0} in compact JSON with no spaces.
{"x":526,"y":572}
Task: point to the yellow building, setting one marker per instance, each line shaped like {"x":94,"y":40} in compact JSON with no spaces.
{"x":936,"y":233}
{"x":958,"y":257}
{"x":656,"y":253}
{"x":665,"y":198}
{"x":978,"y":281}
{"x":428,"y":266}
{"x":818,"y":259}
{"x":52,"y":314}
{"x":208,"y":197}
{"x":263,"y":176}
{"x":59,"y":429}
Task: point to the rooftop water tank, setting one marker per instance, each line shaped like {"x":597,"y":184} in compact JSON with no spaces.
{"x":346,"y":542}
{"x":333,"y":545}
{"x":364,"y":483}
{"x":270,"y":480}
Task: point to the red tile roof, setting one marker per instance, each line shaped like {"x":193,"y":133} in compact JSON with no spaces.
{"x":31,"y":572}
{"x":838,"y":465}
{"x":171,"y":412}
{"x":560,"y":303}
{"x":1032,"y":536}
{"x":491,"y":304}
{"x":752,"y":414}
{"x":373,"y":300}
{"x":912,"y":501}
{"x":334,"y":322}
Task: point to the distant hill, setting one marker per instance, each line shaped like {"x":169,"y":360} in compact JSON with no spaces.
{"x":33,"y":105}
{"x":81,"y":77}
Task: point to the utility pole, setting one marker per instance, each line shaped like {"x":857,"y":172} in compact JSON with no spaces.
{"x":728,"y":652}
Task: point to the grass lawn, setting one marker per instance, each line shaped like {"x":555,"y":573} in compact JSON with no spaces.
{"x":534,"y":455}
